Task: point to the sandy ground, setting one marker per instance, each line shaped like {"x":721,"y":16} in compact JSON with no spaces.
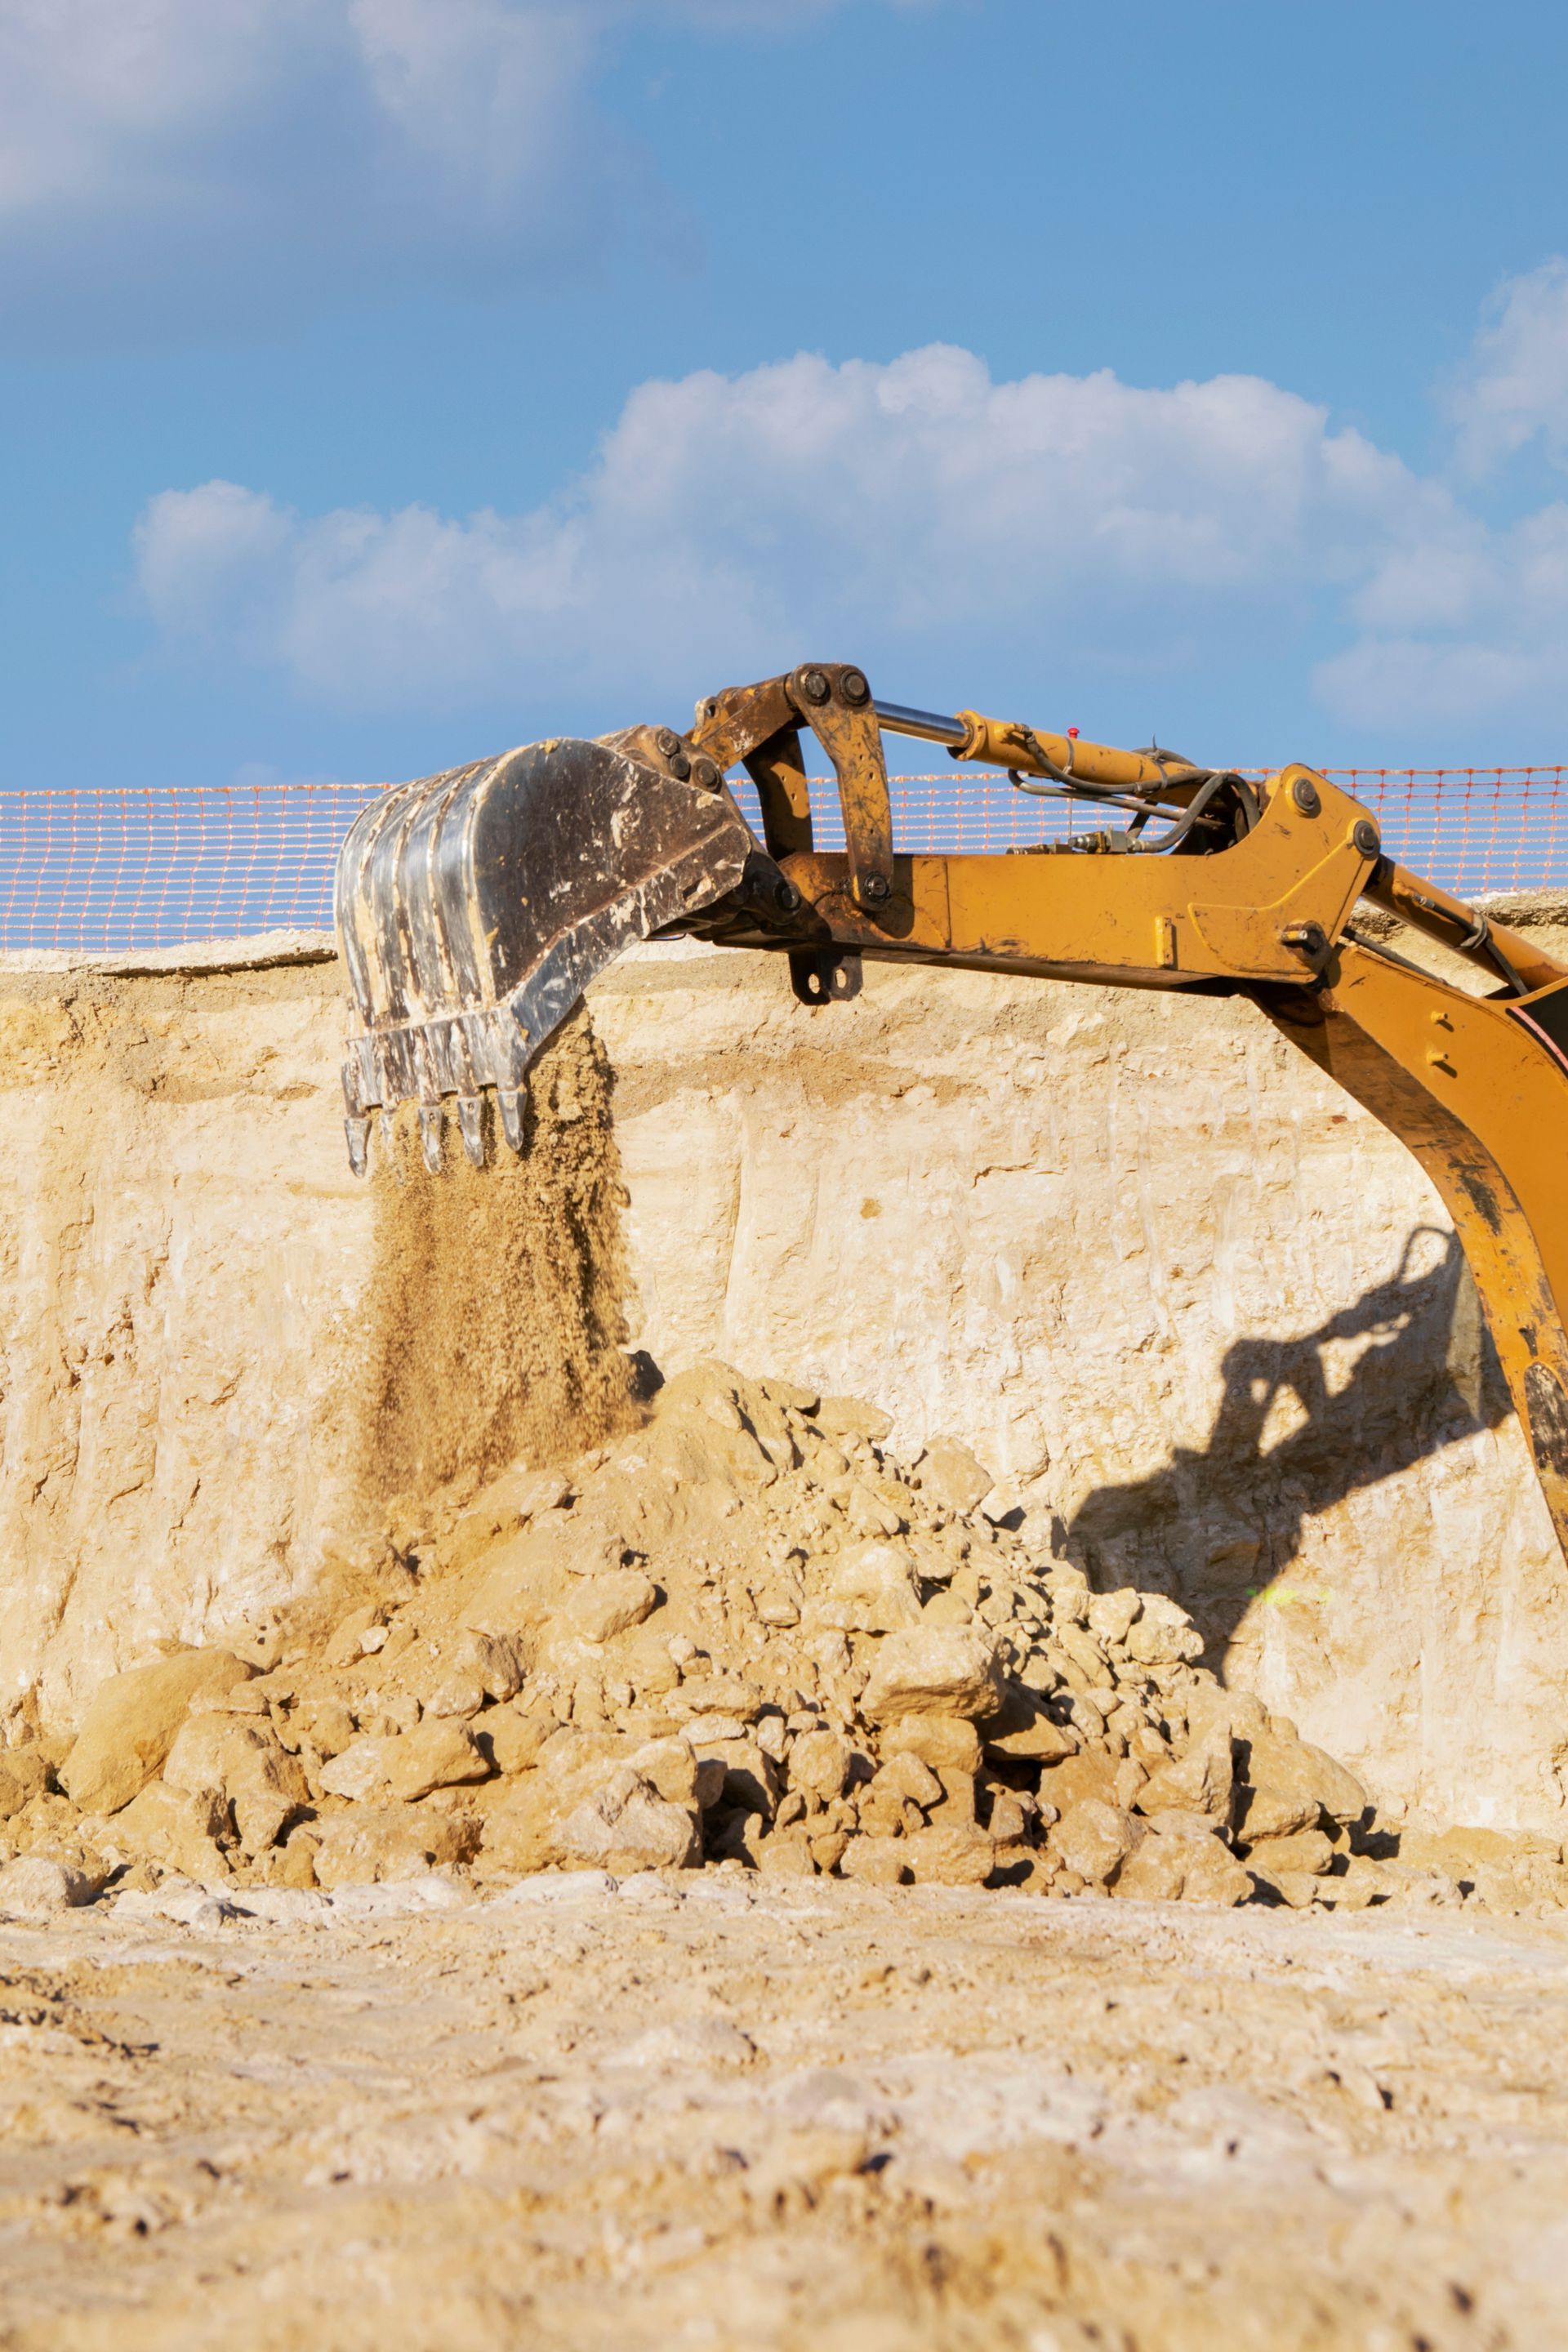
{"x":813,"y":2114}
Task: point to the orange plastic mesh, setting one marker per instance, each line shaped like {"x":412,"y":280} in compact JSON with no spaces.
{"x":110,"y":868}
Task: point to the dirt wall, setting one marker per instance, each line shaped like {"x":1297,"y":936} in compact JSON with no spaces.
{"x":1204,"y":1313}
{"x":222,"y":1356}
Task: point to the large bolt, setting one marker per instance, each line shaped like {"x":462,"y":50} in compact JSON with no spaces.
{"x":875,"y":888}
{"x":705,"y":773}
{"x":1304,"y":793}
{"x":1366,"y":838}
{"x":786,"y":898}
{"x":667,"y":742}
{"x":853,"y":686}
{"x":813,"y":685}
{"x":1307,"y":939}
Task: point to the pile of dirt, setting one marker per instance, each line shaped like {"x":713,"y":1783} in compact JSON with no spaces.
{"x":740,"y":1635}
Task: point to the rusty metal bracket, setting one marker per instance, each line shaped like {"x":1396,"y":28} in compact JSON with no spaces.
{"x":835,"y":700}
{"x":778,"y":770}
{"x":668,"y":753}
{"x":825,"y":975}
{"x":731,"y":725}
{"x":761,"y":725}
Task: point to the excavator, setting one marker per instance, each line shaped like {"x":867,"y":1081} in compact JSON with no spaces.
{"x":474,"y":908}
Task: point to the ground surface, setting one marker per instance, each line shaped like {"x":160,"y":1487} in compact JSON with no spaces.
{"x":805,"y":2115}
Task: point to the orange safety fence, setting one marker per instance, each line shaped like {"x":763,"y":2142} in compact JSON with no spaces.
{"x":106,"y":869}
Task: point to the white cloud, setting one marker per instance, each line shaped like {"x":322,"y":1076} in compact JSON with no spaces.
{"x":917,"y":516}
{"x":730,"y":521}
{"x":1515,"y":386}
{"x":198,"y":159}
{"x":1465,"y":618}
{"x":1461,"y":623}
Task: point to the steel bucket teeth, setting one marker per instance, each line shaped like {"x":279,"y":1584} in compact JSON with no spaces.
{"x":471,"y":1119}
{"x":509,"y":1098}
{"x":474,"y":908}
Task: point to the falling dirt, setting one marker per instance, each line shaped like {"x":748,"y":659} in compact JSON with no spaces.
{"x":498,"y":1292}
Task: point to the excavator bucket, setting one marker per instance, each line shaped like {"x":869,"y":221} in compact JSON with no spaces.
{"x":474,"y":908}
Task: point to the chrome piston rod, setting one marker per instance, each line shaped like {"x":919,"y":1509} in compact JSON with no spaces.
{"x":930,"y":726}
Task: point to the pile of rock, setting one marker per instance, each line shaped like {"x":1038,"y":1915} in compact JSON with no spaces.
{"x":742,"y":1635}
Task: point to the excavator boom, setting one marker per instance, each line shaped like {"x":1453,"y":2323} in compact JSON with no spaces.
{"x":473,"y":909}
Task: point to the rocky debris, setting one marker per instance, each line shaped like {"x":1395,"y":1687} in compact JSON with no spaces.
{"x":742,"y":1635}
{"x":626,"y":1825}
{"x":178,"y":1829}
{"x":372,"y":1841}
{"x":934,"y":1670}
{"x":130,"y":1727}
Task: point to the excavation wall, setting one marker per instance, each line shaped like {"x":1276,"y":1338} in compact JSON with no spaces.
{"x":1203,"y":1317}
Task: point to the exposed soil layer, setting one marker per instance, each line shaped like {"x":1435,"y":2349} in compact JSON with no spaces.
{"x":1136,"y":1251}
{"x":857,"y":2120}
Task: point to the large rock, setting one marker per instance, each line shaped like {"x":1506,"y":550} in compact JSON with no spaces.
{"x":907,"y":1777}
{"x":514,"y":1736}
{"x":1199,"y":1783}
{"x":434,"y":1755}
{"x":1094,"y":1839}
{"x":751,"y":1779}
{"x":949,"y":1474}
{"x":611,"y":1604}
{"x":130,"y":1727}
{"x":673,"y":1767}
{"x":1304,"y":1850}
{"x":1164,"y":1636}
{"x":875,"y":1860}
{"x":377,"y":1842}
{"x":1175,"y":1866}
{"x":523,"y":1820}
{"x":1091,"y":1775}
{"x":502,"y":1507}
{"x":457,"y":1672}
{"x":933,"y":1670}
{"x":819,"y":1764}
{"x":869,"y":1588}
{"x":947,"y":1743}
{"x":1290,"y":1783}
{"x":24,"y":1775}
{"x":235,"y":1755}
{"x":950,"y":1855}
{"x":34,"y":1888}
{"x":242,"y":1760}
{"x":628,"y":1826}
{"x":1025,"y":1730}
{"x":358,"y":1770}
{"x":438,"y":1753}
{"x":177,"y":1827}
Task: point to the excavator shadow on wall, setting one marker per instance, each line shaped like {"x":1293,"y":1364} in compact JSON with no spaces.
{"x":1214,"y":1528}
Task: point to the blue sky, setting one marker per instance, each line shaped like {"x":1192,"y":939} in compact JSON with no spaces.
{"x":385,"y":381}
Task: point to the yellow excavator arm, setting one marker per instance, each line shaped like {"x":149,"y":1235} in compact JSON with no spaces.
{"x":474,"y":908}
